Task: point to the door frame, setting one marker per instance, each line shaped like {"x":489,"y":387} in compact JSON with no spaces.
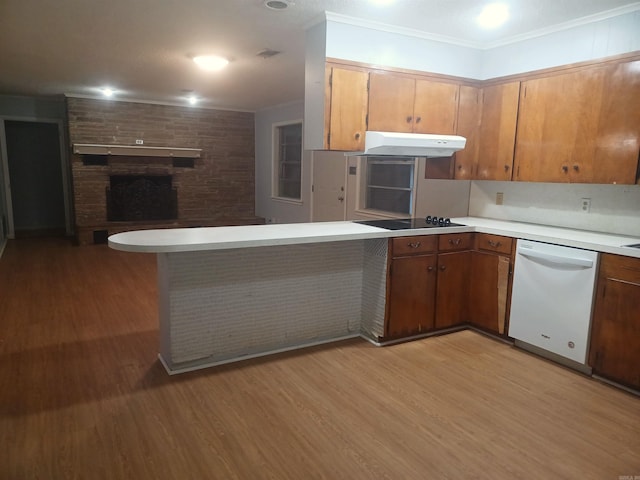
{"x":4,"y":161}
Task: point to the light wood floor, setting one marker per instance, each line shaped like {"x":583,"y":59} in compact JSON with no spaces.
{"x":83,"y":396}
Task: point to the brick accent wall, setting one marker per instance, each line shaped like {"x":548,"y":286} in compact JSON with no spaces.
{"x":219,"y":190}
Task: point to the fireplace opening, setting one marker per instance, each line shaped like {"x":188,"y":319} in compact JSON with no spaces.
{"x":141,"y":197}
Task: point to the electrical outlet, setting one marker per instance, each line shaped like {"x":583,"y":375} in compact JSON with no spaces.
{"x":139,"y":142}
{"x":499,"y":198}
{"x":586,"y":205}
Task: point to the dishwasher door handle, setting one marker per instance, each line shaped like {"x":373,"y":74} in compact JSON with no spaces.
{"x":557,"y":259}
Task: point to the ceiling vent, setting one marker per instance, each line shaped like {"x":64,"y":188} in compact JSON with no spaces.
{"x":277,"y":4}
{"x":267,"y":53}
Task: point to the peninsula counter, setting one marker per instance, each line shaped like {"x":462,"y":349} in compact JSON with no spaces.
{"x":230,"y":293}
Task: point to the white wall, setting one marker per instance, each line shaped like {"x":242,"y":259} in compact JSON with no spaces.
{"x":614,"y":208}
{"x":604,"y":38}
{"x":275,"y":210}
{"x":376,"y":47}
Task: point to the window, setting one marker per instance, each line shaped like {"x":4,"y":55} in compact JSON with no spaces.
{"x":388,"y":184}
{"x":287,"y":161}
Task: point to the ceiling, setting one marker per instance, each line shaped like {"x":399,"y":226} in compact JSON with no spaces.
{"x":143,"y":48}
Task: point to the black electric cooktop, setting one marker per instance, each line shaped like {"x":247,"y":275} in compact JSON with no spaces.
{"x":410,"y":223}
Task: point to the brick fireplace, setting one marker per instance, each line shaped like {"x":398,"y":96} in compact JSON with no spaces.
{"x":216,"y":188}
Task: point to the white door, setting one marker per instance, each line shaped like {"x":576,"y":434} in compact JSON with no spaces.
{"x":328,"y":186}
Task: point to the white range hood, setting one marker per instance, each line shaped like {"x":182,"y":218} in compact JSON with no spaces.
{"x":410,"y":144}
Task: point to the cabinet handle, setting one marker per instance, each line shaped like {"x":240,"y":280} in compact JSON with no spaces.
{"x":455,"y":242}
{"x":565,"y":169}
{"x":418,"y":119}
{"x":576,"y":168}
{"x":409,"y":119}
{"x":443,"y":268}
{"x":494,"y":244}
{"x":413,"y":245}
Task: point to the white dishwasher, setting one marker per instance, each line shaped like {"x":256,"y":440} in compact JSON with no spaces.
{"x":552,"y":298}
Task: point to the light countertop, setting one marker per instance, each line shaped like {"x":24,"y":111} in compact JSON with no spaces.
{"x":223,"y":238}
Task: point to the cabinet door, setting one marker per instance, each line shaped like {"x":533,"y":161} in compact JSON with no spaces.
{"x":435,"y":107}
{"x":469,"y":115}
{"x":555,"y":121}
{"x":615,"y":333}
{"x":348,"y":109}
{"x":497,"y":131}
{"x":580,"y":127}
{"x":391,"y":103}
{"x":411,"y":297}
{"x":616,"y":146}
{"x":452,"y":289}
{"x":488,"y":291}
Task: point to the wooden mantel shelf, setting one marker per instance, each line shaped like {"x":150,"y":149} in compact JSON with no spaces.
{"x":135,"y":150}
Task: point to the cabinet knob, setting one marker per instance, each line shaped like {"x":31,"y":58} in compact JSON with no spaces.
{"x":409,"y":119}
{"x":506,"y":168}
{"x":418,"y":119}
{"x":443,"y":268}
{"x":565,"y":169}
{"x":413,"y":245}
{"x":357,"y":136}
{"x":341,"y":199}
{"x":494,"y":244}
{"x":454,"y":242}
{"x":429,"y":268}
{"x":576,"y":168}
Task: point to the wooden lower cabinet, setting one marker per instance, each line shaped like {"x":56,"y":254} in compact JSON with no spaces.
{"x":490,"y":282}
{"x":427,"y":283}
{"x":615,"y":333}
{"x":452,"y":289}
{"x":411,"y":305}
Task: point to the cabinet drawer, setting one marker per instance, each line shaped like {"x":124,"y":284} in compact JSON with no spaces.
{"x":401,"y":246}
{"x":494,"y":243}
{"x":455,"y":241}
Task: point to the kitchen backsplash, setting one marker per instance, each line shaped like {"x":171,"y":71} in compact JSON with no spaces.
{"x":613,"y":208}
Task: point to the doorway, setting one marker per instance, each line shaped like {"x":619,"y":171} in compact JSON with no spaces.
{"x":35,"y":183}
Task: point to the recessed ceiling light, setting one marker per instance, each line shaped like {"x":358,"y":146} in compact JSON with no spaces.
{"x":493,"y":15}
{"x":108,"y":92}
{"x":193,"y":100}
{"x":277,"y":4}
{"x":211,"y":62}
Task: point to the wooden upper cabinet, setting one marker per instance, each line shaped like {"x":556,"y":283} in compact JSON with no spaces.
{"x":582,"y":126}
{"x":404,"y":104}
{"x":616,"y":149}
{"x":391,"y":103}
{"x":435,"y":107}
{"x":346,"y":109}
{"x":469,"y":115}
{"x":497,"y":131}
{"x":487,"y":119}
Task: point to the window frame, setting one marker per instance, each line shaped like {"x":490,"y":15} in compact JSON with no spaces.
{"x":362,"y":185}
{"x":276,"y":161}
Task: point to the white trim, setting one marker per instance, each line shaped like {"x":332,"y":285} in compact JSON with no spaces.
{"x":4,"y":164}
{"x":287,"y":200}
{"x":577,"y":22}
{"x":384,"y":27}
{"x":198,"y":364}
